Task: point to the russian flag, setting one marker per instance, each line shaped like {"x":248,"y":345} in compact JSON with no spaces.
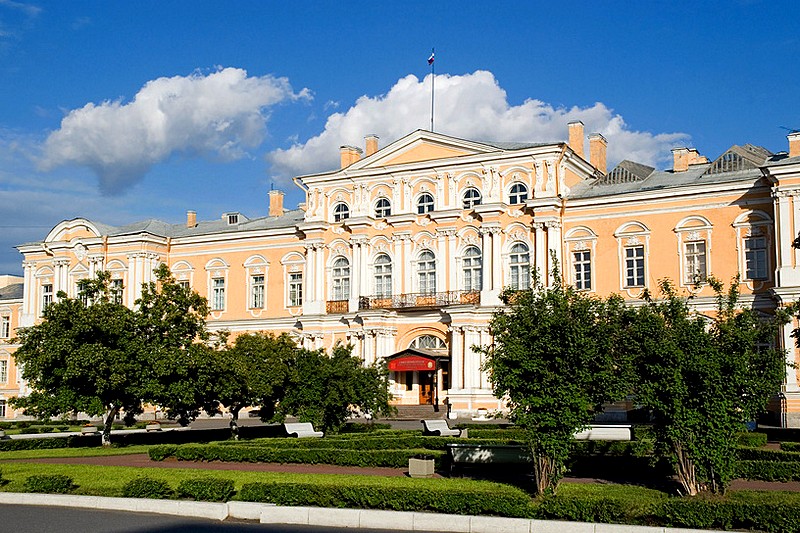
{"x":430,"y":59}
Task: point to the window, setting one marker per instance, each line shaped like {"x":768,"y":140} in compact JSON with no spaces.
{"x":582,"y":265}
{"x":3,"y":371}
{"x":520,"y":260}
{"x":2,"y":408}
{"x":233,"y":219}
{"x":295,"y":289}
{"x":5,"y":327}
{"x":184,"y":284}
{"x":428,"y":342}
{"x":47,"y":295}
{"x":257,"y":292}
{"x":341,"y":279}
{"x":217,"y":294}
{"x":518,"y":194}
{"x":426,"y":272}
{"x":472,"y":269}
{"x":424,"y":204}
{"x":695,"y":262}
{"x":341,"y":212}
{"x":116,"y":291}
{"x":472,"y":197}
{"x":634,"y":266}
{"x":383,"y":276}
{"x":755,"y":255}
{"x":383,"y":208}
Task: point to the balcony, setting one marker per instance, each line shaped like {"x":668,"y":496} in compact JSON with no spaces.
{"x":337,"y":307}
{"x":420,"y":300}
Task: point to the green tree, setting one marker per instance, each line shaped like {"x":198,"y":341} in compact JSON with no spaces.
{"x":171,"y":327}
{"x":326,"y":390}
{"x":702,"y":379}
{"x":555,"y":357}
{"x":252,"y":372}
{"x":84,"y":356}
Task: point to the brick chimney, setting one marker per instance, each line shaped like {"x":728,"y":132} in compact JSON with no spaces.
{"x":275,"y":203}
{"x":372,"y":144}
{"x":597,"y":152}
{"x":349,"y":155}
{"x":794,"y":144}
{"x":683,"y":158}
{"x":191,"y":219}
{"x":576,"y":137}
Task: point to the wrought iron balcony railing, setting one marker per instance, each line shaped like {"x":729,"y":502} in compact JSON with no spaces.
{"x":337,"y":306}
{"x":412,"y":300}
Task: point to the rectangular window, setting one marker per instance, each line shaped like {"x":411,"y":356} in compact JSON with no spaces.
{"x":695,"y":261}
{"x":5,"y":327}
{"x":2,"y":408}
{"x":634,"y":266}
{"x":47,"y":295}
{"x":184,"y":284}
{"x":257,"y":292}
{"x":218,"y":294}
{"x":582,"y":263}
{"x":3,"y":371}
{"x":295,"y":289}
{"x":116,"y":291}
{"x":755,"y":255}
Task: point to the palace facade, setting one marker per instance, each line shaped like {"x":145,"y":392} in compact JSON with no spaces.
{"x":404,"y":250}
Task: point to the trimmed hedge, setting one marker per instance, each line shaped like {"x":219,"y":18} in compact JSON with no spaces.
{"x":206,"y":489}
{"x":499,"y":500}
{"x":367,"y":442}
{"x":790,"y":446}
{"x":50,"y":484}
{"x":49,"y":443}
{"x":752,"y":439}
{"x":778,"y":456}
{"x":331,"y":456}
{"x":729,"y":515}
{"x":146,"y":487}
{"x":768,"y":471}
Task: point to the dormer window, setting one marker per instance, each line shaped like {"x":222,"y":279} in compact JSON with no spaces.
{"x":472,"y":197}
{"x":231,"y":218}
{"x":341,"y":212}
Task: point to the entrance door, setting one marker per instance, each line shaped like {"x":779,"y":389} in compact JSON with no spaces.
{"x":425,"y":388}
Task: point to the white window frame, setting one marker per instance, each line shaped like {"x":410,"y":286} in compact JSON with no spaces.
{"x":218,"y":297}
{"x":470,"y":198}
{"x":216,"y":270}
{"x":472,"y":268}
{"x":514,"y":194}
{"x":425,"y":266}
{"x":2,"y":408}
{"x":428,"y":342}
{"x":748,"y":259}
{"x":634,"y":263}
{"x":695,"y":262}
{"x":340,"y":275}
{"x":582,"y":269}
{"x":5,"y":326}
{"x":3,"y":370}
{"x":341,"y":212}
{"x":257,"y":293}
{"x":581,"y":239}
{"x":116,"y":289}
{"x":519,"y":271}
{"x":383,"y":207}
{"x":691,"y":232}
{"x":47,"y":296}
{"x":294,"y":289}
{"x":423,"y":205}
{"x":753,"y":225}
{"x":632,"y":235}
{"x":382,"y":276}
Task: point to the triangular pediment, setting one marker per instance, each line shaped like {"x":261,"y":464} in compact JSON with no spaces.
{"x":422,"y":146}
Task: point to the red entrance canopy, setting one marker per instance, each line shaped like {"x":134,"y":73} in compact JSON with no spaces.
{"x":412,"y":362}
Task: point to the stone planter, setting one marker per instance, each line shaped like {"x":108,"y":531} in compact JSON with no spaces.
{"x":153,"y":426}
{"x":3,"y":435}
{"x":88,"y":430}
{"x":420,"y":466}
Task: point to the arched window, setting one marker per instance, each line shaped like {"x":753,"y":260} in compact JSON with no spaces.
{"x":426,"y":272}
{"x":383,"y":276}
{"x":520,"y":261}
{"x":472,"y":269}
{"x":341,"y":212}
{"x":383,"y":208}
{"x":518,"y":194}
{"x":428,"y":342}
{"x":472,"y":197}
{"x":341,"y":278}
{"x":424,"y":203}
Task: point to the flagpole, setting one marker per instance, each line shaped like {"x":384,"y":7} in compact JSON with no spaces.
{"x":433,"y":80}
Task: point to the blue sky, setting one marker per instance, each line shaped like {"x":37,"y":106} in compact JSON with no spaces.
{"x":122,"y":111}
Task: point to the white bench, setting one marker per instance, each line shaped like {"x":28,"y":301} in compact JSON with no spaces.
{"x":606,"y":432}
{"x":301,"y":429}
{"x":439,"y":428}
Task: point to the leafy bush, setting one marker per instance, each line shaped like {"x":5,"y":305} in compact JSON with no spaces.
{"x":583,"y":509}
{"x":502,"y":500}
{"x":790,"y":446}
{"x":51,"y":484}
{"x":206,"y":489}
{"x":752,"y":439}
{"x":730,"y":515}
{"x":145,"y":487}
{"x":757,"y":454}
{"x":34,"y":444}
{"x":768,"y":471}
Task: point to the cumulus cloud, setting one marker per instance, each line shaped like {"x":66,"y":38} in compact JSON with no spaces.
{"x":471,"y":106}
{"x":220,"y":115}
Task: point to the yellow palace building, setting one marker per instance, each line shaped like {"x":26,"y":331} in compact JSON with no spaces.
{"x":404,"y":250}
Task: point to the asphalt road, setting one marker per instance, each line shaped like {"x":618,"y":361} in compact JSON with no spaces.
{"x":41,"y":519}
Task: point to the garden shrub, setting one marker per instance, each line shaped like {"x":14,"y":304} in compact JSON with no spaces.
{"x":790,"y":446}
{"x":49,"y":483}
{"x":758,"y":454}
{"x":729,"y":515}
{"x":587,"y":509}
{"x":146,"y":487}
{"x":499,"y":500}
{"x":364,"y":428}
{"x":206,"y":489}
{"x":768,"y":470}
{"x":752,"y":439}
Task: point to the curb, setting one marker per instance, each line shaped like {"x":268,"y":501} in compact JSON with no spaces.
{"x":267,"y":513}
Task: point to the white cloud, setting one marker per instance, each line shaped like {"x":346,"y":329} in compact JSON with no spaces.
{"x":221,"y":115}
{"x":472,"y":106}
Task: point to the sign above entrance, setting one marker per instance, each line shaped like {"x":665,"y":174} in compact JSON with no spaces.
{"x":412,"y":362}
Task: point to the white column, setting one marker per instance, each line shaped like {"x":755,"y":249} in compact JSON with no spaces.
{"x":355,"y":274}
{"x":540,"y":254}
{"x":397,"y":265}
{"x":486,"y":339}
{"x":785,"y":233}
{"x":553,"y":248}
{"x":319,"y":276}
{"x":452,"y":266}
{"x":487,"y":258}
{"x":408,"y":267}
{"x":472,"y":378}
{"x":497,"y":262}
{"x":369,"y":347}
{"x":456,"y":358}
{"x":364,"y":284}
{"x":441,"y":262}
{"x":29,"y":294}
{"x":791,"y":351}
